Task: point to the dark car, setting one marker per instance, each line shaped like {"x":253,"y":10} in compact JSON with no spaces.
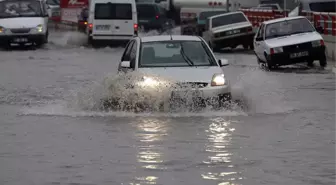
{"x":152,"y":16}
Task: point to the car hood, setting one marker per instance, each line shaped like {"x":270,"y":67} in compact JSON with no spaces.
{"x":231,"y":27}
{"x":21,"y":22}
{"x":293,"y":39}
{"x":184,"y":74}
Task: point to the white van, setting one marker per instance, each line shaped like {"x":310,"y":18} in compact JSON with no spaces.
{"x":23,"y":22}
{"x":112,"y":20}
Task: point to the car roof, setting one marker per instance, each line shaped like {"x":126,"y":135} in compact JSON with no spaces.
{"x":283,"y":19}
{"x":159,"y":38}
{"x":230,"y":13}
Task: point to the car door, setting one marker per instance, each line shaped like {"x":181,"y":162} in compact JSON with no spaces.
{"x":103,"y":19}
{"x":126,"y":56}
{"x":133,"y":55}
{"x":123,"y":22}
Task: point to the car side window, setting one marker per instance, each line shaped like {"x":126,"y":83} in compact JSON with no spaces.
{"x":262,"y":31}
{"x":126,"y":56}
{"x":133,"y":55}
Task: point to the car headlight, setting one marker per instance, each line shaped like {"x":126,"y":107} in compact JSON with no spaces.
{"x":317,"y":43}
{"x":2,"y":29}
{"x":218,"y":80}
{"x":148,"y":82}
{"x":39,"y":28}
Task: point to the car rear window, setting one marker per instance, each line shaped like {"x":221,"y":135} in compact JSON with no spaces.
{"x":323,"y":6}
{"x":146,"y":11}
{"x":228,"y":19}
{"x":113,"y":11}
{"x":205,"y":15}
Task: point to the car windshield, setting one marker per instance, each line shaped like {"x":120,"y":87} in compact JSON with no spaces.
{"x":146,"y":11}
{"x":175,"y":54}
{"x":288,"y":27}
{"x":205,"y":15}
{"x":24,"y":8}
{"x":323,"y":6}
{"x":228,"y":19}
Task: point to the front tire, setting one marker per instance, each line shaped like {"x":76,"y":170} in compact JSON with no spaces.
{"x":224,"y":100}
{"x":323,"y":61}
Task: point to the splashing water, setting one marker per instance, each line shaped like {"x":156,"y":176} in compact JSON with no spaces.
{"x":123,"y":92}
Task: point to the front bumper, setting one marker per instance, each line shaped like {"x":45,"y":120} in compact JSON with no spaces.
{"x":279,"y":59}
{"x":30,"y":38}
{"x":234,"y":40}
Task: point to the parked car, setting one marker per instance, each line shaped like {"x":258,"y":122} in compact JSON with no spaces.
{"x":182,"y":63}
{"x":153,"y":17}
{"x":23,"y":22}
{"x":112,"y":21}
{"x":229,"y":30}
{"x":288,"y":41}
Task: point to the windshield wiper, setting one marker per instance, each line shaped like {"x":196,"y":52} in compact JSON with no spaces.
{"x":185,"y":57}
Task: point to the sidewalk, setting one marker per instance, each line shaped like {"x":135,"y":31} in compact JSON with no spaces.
{"x":330,"y":42}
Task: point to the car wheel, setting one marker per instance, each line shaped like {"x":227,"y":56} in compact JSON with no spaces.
{"x":323,"y":62}
{"x":310,"y":63}
{"x":271,"y":66}
{"x":251,"y":46}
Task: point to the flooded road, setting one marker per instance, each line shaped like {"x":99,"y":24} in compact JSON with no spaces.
{"x":286,"y":136}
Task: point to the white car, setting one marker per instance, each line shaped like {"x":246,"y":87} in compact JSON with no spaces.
{"x":287,"y":41}
{"x":229,"y":30}
{"x":23,"y":22}
{"x":184,"y":64}
{"x":112,"y":21}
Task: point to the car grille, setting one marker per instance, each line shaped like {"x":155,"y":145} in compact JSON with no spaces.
{"x":297,"y":47}
{"x":20,"y":30}
{"x":191,"y":85}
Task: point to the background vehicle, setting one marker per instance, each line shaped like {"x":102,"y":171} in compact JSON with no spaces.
{"x":314,"y":6}
{"x":229,"y":30}
{"x":23,"y":21}
{"x":274,"y":6}
{"x":152,"y":16}
{"x":202,"y":19}
{"x":54,"y":10}
{"x":189,"y":58}
{"x":112,"y":20}
{"x":288,"y":41}
{"x":174,"y":6}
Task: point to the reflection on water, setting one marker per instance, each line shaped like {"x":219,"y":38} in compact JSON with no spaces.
{"x":220,"y":167}
{"x":150,"y":157}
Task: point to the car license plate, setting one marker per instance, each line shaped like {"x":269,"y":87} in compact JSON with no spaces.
{"x":300,"y":54}
{"x":20,"y":40}
{"x":103,"y":27}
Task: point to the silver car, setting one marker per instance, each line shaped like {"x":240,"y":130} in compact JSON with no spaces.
{"x":183,"y":64}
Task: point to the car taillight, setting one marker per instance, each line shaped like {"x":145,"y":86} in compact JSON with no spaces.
{"x":322,"y":42}
{"x":249,"y":29}
{"x":135,"y":26}
{"x":157,"y":17}
{"x":90,"y":26}
{"x":272,"y":51}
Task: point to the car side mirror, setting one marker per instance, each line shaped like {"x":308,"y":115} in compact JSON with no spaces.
{"x":223,"y":62}
{"x":320,"y":29}
{"x":126,"y":64}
